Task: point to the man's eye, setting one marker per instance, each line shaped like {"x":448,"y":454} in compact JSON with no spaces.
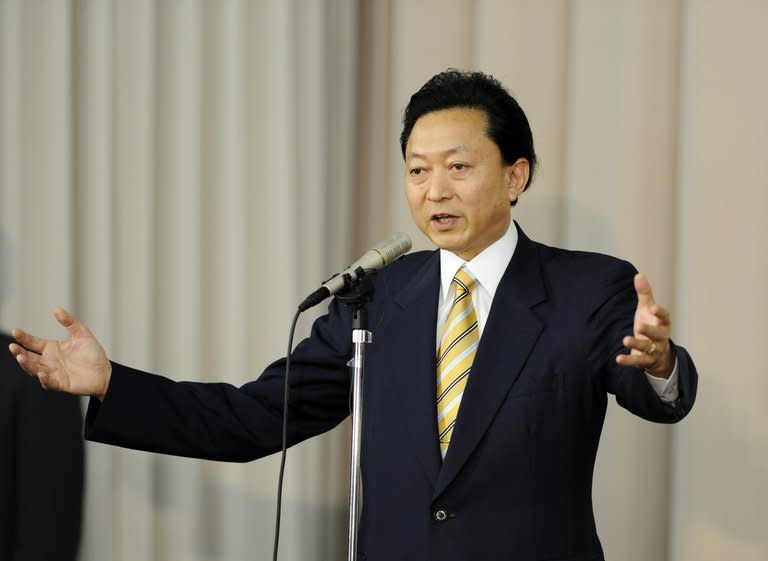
{"x":458,"y":166}
{"x":416,"y":171}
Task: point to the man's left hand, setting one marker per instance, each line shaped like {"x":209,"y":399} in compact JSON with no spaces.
{"x":649,"y":346}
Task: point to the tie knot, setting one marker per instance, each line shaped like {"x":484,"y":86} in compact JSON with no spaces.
{"x":464,"y":281}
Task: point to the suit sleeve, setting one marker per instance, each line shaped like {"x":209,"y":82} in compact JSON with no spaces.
{"x":223,"y":422}
{"x":612,"y":320}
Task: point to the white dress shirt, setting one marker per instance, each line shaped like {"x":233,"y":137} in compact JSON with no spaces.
{"x":488,"y":267}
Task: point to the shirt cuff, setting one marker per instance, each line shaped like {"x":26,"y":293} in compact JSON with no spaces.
{"x":665,"y":388}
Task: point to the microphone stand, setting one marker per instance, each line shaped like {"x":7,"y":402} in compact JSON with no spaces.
{"x":357,"y":295}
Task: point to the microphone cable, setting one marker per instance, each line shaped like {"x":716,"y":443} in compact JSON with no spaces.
{"x":373,"y":260}
{"x":284,"y":450}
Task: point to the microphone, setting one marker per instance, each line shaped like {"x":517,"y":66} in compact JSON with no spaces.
{"x":373,"y":260}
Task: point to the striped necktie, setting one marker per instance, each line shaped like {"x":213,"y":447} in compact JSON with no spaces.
{"x":457,"y":352}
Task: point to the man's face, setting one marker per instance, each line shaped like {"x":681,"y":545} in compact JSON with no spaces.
{"x":457,"y":185}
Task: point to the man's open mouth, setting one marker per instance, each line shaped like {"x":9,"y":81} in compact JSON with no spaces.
{"x":443,"y":218}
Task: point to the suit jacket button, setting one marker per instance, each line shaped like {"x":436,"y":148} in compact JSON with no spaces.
{"x":440,"y":515}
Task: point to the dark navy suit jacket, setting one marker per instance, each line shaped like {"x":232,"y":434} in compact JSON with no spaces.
{"x":517,"y":481}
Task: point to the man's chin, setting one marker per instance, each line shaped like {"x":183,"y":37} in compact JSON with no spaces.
{"x":445,"y":240}
{"x":448,"y":243}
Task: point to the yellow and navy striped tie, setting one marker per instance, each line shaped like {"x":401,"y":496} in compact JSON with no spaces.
{"x":457,"y":352}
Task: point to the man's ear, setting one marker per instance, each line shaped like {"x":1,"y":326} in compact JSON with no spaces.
{"x":517,"y":175}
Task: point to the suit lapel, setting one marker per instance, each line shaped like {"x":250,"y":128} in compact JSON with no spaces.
{"x":413,"y":377}
{"x":509,"y":336}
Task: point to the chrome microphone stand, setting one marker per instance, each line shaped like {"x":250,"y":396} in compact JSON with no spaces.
{"x":357,"y":296}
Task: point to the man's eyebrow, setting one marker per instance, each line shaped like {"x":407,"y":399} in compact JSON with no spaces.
{"x":448,"y":152}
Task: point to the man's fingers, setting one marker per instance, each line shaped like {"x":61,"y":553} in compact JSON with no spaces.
{"x":27,"y":340}
{"x":15,"y":349}
{"x":33,"y":365}
{"x":637,"y":360}
{"x":662,"y":313}
{"x":69,"y":321}
{"x":29,"y":362}
{"x":655,"y":357}
{"x":643,"y":289}
{"x":654,"y":332}
{"x":646,"y":346}
{"x":643,"y":353}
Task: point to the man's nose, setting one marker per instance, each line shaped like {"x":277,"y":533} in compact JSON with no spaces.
{"x":439,"y":187}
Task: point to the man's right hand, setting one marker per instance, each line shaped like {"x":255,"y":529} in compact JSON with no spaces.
{"x":77,"y":365}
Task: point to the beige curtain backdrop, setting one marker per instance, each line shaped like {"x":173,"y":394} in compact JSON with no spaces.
{"x":180,"y":173}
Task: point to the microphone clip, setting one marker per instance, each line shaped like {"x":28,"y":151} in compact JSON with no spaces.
{"x":357,"y":294}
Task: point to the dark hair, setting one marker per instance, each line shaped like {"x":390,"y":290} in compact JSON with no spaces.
{"x":507,"y":124}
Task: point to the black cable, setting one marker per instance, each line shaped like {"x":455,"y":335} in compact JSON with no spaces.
{"x":285,"y":434}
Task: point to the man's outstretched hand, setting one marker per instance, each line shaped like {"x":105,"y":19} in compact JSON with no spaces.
{"x":77,"y":365}
{"x":649,"y":346}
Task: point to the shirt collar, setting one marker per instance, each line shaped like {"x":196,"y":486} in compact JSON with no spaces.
{"x":487,"y":267}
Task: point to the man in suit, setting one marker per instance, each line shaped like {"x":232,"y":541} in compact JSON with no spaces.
{"x":41,"y":468}
{"x":487,"y":382}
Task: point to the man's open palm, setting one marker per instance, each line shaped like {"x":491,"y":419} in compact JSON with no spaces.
{"x":77,"y":365}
